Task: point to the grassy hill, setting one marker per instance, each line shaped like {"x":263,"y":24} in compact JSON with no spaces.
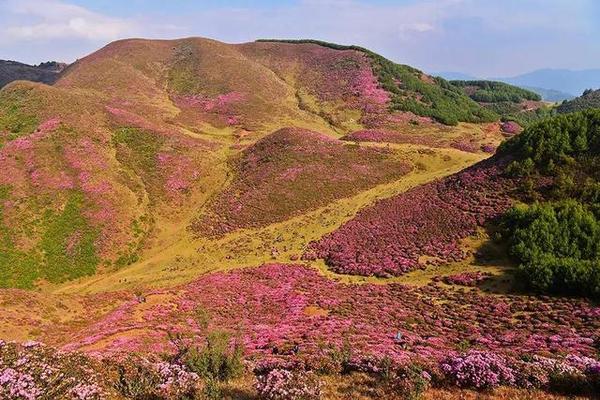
{"x":510,"y":102}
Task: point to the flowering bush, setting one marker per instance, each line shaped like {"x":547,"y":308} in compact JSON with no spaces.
{"x":479,"y":370}
{"x":31,"y":371}
{"x":282,"y":384}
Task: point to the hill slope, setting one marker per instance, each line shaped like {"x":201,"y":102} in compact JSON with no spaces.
{"x":135,"y":139}
{"x":589,"y":99}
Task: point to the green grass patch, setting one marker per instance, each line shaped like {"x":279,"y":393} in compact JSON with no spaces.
{"x":138,"y":149}
{"x":18,"y":269}
{"x":16,"y":114}
{"x":68,"y":243}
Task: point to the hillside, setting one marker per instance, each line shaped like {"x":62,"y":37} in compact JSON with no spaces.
{"x":511,"y":103}
{"x":45,"y":72}
{"x":553,"y":161}
{"x":193,"y":219}
{"x":589,"y":99}
{"x":135,"y":129}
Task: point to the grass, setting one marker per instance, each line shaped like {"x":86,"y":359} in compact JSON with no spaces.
{"x":16,"y":114}
{"x":68,"y":243}
{"x":412,"y":91}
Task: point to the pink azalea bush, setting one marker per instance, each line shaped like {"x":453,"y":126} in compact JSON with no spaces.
{"x":479,"y":370}
{"x":31,"y":371}
{"x":283,"y":384}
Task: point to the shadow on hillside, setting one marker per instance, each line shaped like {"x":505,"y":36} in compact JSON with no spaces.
{"x":492,"y":254}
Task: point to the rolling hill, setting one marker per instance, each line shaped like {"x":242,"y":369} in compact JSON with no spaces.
{"x":589,"y":99}
{"x":127,"y":140}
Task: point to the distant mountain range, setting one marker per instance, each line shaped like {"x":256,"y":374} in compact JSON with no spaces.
{"x":45,"y":72}
{"x":551,"y":84}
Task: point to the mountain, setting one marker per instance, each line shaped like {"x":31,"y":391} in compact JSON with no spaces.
{"x":589,"y":99}
{"x":455,"y":76}
{"x":45,"y":72}
{"x":141,"y":139}
{"x":550,"y":95}
{"x":563,"y":80}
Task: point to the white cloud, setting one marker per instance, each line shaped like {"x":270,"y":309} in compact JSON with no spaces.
{"x":54,"y":19}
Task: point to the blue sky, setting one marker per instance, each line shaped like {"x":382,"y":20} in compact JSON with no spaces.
{"x":487,"y":38}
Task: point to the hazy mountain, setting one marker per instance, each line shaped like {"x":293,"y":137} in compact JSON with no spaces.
{"x":550,"y":94}
{"x":564,"y":80}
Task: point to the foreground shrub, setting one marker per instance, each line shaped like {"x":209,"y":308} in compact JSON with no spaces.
{"x":283,"y":384}
{"x":217,"y":360}
{"x":32,"y":371}
{"x":140,"y":379}
{"x":478,"y":370}
{"x":409,"y":382}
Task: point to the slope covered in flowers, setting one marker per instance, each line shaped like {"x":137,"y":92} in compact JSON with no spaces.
{"x":293,"y":171}
{"x":290,"y":310}
{"x":392,"y":236}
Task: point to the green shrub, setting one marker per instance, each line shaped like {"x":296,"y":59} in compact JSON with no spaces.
{"x":218,"y":360}
{"x":557,"y":246}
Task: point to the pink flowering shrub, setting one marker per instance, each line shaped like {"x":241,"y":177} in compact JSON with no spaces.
{"x":391,"y":236}
{"x":283,"y":384}
{"x":510,"y":128}
{"x":479,"y":370}
{"x":31,"y":371}
{"x":269,"y":308}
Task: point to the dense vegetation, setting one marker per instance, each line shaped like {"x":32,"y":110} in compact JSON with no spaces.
{"x":415,"y":92}
{"x":494,"y":92}
{"x":589,"y":99}
{"x":66,"y":250}
{"x":556,"y":242}
{"x":558,"y":247}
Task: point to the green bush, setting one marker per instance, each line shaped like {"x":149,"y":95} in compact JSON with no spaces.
{"x":557,"y":246}
{"x":218,"y":360}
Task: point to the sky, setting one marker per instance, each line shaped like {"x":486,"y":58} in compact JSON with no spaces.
{"x":484,"y":38}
